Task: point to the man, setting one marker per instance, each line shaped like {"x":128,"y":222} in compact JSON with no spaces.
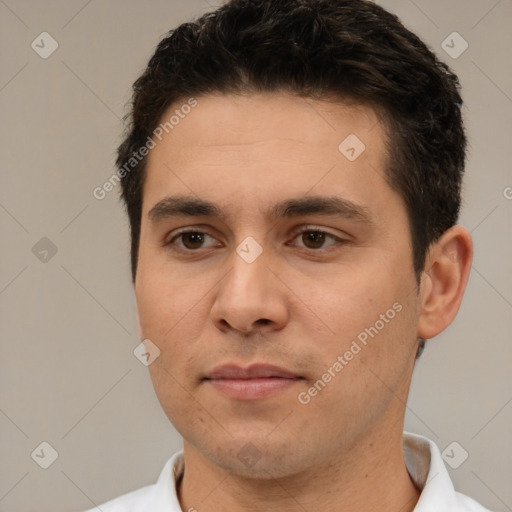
{"x":292,"y":176}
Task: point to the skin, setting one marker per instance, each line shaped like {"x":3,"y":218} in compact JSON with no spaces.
{"x":299,"y":305}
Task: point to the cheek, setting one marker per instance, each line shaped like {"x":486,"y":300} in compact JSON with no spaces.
{"x":175,"y":392}
{"x":372,"y":314}
{"x":172,"y":316}
{"x":346,"y":301}
{"x":162,"y":301}
{"x":364,"y":371}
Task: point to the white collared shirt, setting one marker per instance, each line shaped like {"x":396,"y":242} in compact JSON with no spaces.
{"x":422,"y":458}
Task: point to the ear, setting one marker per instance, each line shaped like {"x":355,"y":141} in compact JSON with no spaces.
{"x":444,"y":280}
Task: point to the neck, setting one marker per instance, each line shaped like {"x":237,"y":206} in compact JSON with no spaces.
{"x":371,"y":476}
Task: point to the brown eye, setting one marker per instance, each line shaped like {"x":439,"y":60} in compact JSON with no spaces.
{"x":316,"y":240}
{"x":313,"y":239}
{"x":192,"y":240}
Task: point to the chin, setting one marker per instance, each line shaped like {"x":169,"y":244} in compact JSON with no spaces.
{"x":258,"y":458}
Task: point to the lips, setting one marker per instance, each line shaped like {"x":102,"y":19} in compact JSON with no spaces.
{"x":255,"y":371}
{"x":255,"y":382}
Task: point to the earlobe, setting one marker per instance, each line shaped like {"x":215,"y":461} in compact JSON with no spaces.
{"x":446,"y":274}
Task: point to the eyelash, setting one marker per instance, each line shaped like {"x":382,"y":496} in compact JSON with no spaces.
{"x":306,"y":229}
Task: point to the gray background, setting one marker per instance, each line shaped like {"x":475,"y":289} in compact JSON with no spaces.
{"x":68,"y":326}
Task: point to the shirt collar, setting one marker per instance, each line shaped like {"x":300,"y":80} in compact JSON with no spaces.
{"x":428,"y":472}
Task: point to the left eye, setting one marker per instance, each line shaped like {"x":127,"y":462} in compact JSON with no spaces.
{"x":315,"y":239}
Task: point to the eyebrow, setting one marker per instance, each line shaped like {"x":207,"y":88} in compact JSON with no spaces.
{"x":174,"y":206}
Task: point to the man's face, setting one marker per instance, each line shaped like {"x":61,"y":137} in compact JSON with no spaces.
{"x":329,"y":286}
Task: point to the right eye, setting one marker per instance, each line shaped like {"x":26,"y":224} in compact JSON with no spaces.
{"x":190,"y":240}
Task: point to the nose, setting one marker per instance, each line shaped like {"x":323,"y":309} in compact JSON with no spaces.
{"x":250,"y":298}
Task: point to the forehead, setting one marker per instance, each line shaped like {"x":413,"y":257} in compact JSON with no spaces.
{"x":247,"y":147}
{"x":221,"y":119}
